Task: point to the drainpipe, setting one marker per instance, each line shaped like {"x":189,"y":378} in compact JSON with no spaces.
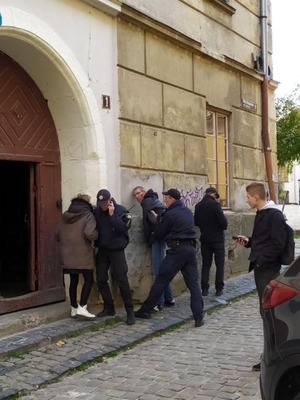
{"x":265,"y":98}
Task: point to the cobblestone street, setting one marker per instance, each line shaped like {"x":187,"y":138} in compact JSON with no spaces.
{"x":211,"y":362}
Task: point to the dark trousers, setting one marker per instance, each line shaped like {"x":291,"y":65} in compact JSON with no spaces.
{"x":208,"y":250}
{"x":115,"y":261}
{"x":180,"y":258}
{"x":86,"y":288}
{"x":262,"y":277}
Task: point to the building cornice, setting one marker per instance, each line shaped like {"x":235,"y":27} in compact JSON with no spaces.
{"x":223,"y":4}
{"x":110,"y":7}
{"x":130,"y":14}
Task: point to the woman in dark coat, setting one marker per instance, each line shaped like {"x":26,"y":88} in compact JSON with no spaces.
{"x":76,"y":233}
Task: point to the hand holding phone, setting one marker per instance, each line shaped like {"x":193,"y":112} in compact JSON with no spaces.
{"x":240,"y":239}
{"x":111,"y":207}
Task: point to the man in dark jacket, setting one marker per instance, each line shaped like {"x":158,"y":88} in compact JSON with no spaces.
{"x":267,"y":242}
{"x":149,"y":201}
{"x":212,"y":222}
{"x":113,"y":222}
{"x":178,"y":230}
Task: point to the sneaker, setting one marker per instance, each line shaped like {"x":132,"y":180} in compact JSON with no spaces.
{"x":73,"y":312}
{"x":219,"y":292}
{"x":204,"y":292}
{"x":256,"y":367}
{"x":106,"y":312}
{"x":130,"y":318}
{"x":199,"y":322}
{"x":157,"y":308}
{"x":142,"y":314}
{"x":82,"y":311}
{"x":170,"y":303}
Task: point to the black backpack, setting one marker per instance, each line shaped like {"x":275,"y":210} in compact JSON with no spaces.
{"x":288,"y":256}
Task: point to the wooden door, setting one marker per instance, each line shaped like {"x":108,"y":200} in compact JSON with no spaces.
{"x":28,"y":135}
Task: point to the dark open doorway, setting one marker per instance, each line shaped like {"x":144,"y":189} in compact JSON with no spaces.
{"x":15,"y":228}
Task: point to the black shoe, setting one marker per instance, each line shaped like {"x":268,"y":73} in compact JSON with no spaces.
{"x":204,"y":292}
{"x":256,"y":367}
{"x":199,"y":322}
{"x":142,"y":314}
{"x":157,"y":308}
{"x":219,"y":292}
{"x":169,"y":303}
{"x":106,"y":313}
{"x":130,"y":318}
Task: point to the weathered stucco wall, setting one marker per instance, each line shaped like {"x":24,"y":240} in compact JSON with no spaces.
{"x":163,"y":107}
{"x":166,"y":84}
{"x":138,"y":256}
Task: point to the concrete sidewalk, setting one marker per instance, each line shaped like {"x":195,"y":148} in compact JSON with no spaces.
{"x":292,"y":213}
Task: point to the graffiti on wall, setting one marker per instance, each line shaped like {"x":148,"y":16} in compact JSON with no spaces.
{"x":191,"y":197}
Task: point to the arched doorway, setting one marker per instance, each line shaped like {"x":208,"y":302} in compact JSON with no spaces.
{"x":30,"y":200}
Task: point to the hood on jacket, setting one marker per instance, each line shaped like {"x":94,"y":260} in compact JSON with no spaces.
{"x":271,"y":204}
{"x":151,"y":193}
{"x":76,"y":210}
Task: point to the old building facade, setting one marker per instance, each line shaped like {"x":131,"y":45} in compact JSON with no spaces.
{"x":108,"y":93}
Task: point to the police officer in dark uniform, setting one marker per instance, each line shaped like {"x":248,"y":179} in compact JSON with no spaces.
{"x":177,"y":228}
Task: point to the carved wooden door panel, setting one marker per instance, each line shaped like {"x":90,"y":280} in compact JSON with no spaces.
{"x":28,"y":137}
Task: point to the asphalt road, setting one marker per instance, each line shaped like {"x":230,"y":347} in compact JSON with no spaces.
{"x":211,"y":362}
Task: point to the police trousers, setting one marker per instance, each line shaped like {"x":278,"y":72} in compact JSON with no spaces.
{"x":181,"y":257}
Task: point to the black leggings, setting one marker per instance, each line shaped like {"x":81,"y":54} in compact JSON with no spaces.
{"x":86,"y":288}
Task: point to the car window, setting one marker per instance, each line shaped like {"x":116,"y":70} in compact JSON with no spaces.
{"x":293,"y":269}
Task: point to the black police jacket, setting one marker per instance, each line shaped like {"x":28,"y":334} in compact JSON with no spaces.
{"x":176,"y":223}
{"x":113,"y":230}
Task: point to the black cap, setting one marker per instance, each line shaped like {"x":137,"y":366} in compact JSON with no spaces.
{"x":102,"y":197}
{"x":212,"y":190}
{"x":173,"y":193}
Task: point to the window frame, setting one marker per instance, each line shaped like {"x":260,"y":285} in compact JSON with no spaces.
{"x":216,"y":115}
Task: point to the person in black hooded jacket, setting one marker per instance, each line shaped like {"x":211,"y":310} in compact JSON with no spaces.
{"x":149,"y":202}
{"x":212,"y":222}
{"x":113,"y":222}
{"x":267,"y":242}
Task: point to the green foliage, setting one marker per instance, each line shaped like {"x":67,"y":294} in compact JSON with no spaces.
{"x":288,"y":129}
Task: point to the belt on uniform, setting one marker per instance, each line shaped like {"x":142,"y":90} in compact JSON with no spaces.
{"x":178,"y":242}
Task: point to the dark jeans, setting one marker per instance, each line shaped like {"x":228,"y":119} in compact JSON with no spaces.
{"x":115,"y":261}
{"x":180,"y":258}
{"x":158,"y":251}
{"x":86,"y":288}
{"x":262,"y":277}
{"x":207,"y":251}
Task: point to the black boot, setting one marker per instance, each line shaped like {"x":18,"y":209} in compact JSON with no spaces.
{"x":130,"y":317}
{"x":106,"y":312}
{"x":141,"y":313}
{"x":199,"y":322}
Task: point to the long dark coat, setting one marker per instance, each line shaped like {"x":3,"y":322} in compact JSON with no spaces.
{"x":75,"y":234}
